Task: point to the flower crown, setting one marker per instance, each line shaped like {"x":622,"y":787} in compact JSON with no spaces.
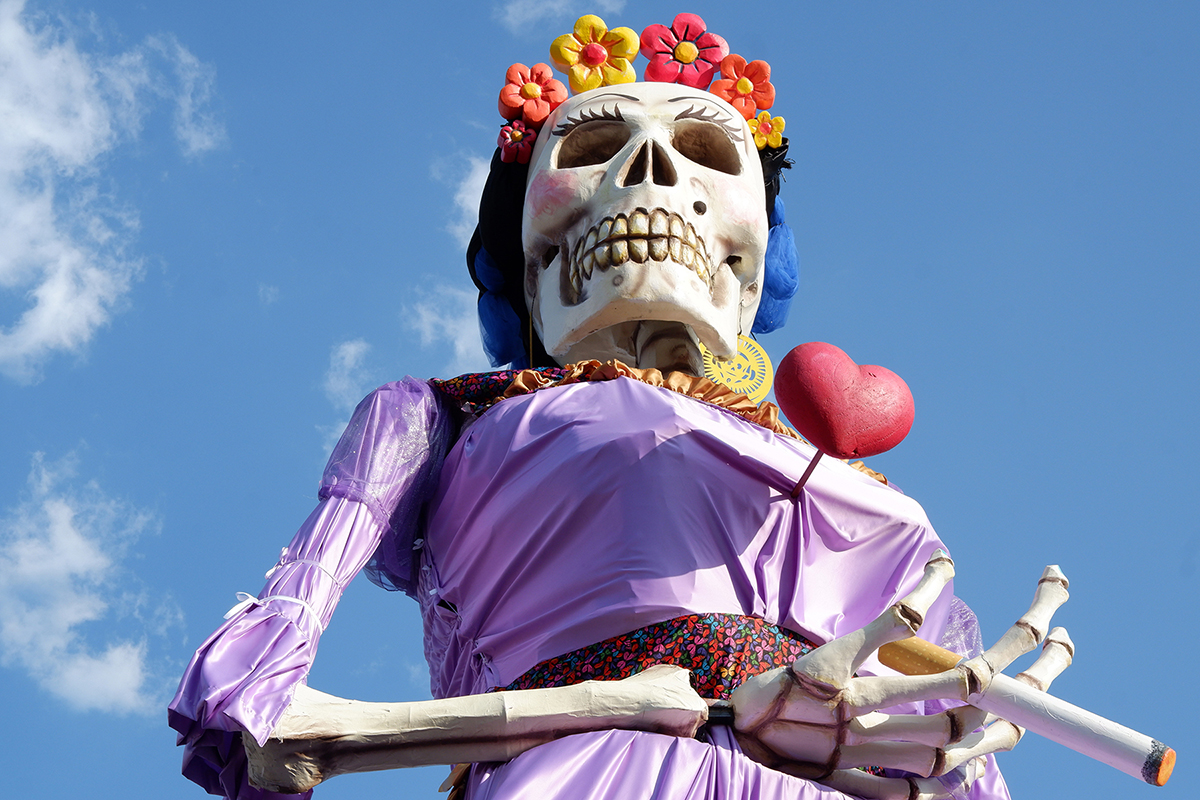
{"x":594,"y":55}
{"x":591,"y":56}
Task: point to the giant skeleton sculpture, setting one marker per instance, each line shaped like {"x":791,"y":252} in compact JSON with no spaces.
{"x":559,"y":524}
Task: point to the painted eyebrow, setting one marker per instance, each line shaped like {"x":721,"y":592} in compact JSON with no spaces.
{"x":590,"y":115}
{"x":617,"y":94}
{"x":706,"y":113}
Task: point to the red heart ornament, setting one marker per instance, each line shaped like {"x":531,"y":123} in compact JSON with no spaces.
{"x":845,"y":410}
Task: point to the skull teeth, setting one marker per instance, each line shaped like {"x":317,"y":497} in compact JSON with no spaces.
{"x":639,"y":223}
{"x":658,"y":248}
{"x":657,"y":236}
{"x":619,"y":252}
{"x":659,"y":223}
{"x":639,"y":250}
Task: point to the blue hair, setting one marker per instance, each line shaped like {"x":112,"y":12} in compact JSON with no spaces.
{"x":782,"y":274}
{"x":499,"y":326}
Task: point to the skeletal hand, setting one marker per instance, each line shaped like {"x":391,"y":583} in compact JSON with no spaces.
{"x":817,"y":720}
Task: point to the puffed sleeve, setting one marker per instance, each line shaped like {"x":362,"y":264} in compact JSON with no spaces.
{"x":383,"y":469}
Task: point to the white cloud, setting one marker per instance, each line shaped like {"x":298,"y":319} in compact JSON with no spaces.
{"x":267,"y":294}
{"x":346,"y":381}
{"x":517,"y":15}
{"x":444,"y":316}
{"x":467,"y":178}
{"x":61,"y":574}
{"x":418,"y":673}
{"x":196,"y":128}
{"x":64,"y":237}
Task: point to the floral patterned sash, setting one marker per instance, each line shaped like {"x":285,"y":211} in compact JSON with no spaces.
{"x":721,"y":650}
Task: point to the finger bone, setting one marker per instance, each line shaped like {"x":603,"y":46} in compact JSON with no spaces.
{"x":815,"y":746}
{"x":761,"y":698}
{"x":1000,"y":736}
{"x":1030,"y":629}
{"x":872,"y":693}
{"x":938,"y":572}
{"x":933,"y":730}
{"x":978,"y":673}
{"x":835,"y":662}
{"x":918,"y":759}
{"x":964,"y":721}
{"x":958,"y":781}
{"x":1056,"y":656}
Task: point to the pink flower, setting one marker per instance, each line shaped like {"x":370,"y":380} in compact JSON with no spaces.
{"x":746,"y":87}
{"x":531,"y":93}
{"x":516,"y":142}
{"x":683,"y":53}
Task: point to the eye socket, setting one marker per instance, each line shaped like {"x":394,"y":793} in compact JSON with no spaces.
{"x":707,"y":145}
{"x":591,"y":143}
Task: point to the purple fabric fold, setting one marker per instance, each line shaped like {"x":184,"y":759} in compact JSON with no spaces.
{"x":582,"y":512}
{"x":634,"y":765}
{"x":563,"y":518}
{"x":585,"y":511}
{"x":389,"y":459}
{"x":243,"y":676}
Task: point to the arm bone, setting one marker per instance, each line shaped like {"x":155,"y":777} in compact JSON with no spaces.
{"x":321,"y":735}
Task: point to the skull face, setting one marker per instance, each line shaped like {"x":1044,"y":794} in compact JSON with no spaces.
{"x":645,"y":205}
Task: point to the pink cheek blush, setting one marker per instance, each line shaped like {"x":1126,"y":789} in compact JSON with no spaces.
{"x":551,"y":190}
{"x":742,"y":207}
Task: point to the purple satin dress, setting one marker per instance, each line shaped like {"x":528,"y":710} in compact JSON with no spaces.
{"x":555,"y":520}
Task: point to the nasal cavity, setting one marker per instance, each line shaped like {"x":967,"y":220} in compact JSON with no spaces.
{"x":650,"y":162}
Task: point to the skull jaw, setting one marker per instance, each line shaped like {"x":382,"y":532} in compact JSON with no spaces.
{"x":665,"y":346}
{"x":603,"y":325}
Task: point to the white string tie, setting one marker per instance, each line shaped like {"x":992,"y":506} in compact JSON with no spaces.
{"x":316,"y":564}
{"x":246,"y":600}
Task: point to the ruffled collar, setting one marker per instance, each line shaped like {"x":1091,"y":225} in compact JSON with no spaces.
{"x":477,"y":392}
{"x":763,"y":414}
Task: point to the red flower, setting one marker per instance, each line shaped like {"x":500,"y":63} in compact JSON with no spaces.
{"x":516,"y":142}
{"x":746,"y":87}
{"x":684,"y":53}
{"x":531,"y":93}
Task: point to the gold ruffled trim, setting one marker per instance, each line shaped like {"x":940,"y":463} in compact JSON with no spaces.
{"x":764,"y":414}
{"x":865,"y":470}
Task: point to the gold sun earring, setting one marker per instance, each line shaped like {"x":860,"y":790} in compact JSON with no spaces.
{"x":749,"y":372}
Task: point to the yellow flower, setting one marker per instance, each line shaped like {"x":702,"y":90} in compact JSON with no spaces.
{"x":594,"y":56}
{"x":767,"y":130}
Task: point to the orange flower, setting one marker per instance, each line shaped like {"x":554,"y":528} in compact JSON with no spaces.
{"x":531,"y":93}
{"x":767,"y":130}
{"x":746,"y":87}
{"x":594,"y":56}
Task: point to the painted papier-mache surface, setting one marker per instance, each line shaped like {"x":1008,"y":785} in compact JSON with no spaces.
{"x":600,"y":506}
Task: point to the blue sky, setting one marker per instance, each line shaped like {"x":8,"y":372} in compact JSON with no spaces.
{"x":221,"y":223}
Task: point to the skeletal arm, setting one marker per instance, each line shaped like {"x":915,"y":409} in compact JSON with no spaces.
{"x":794,"y":719}
{"x":321,"y":736}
